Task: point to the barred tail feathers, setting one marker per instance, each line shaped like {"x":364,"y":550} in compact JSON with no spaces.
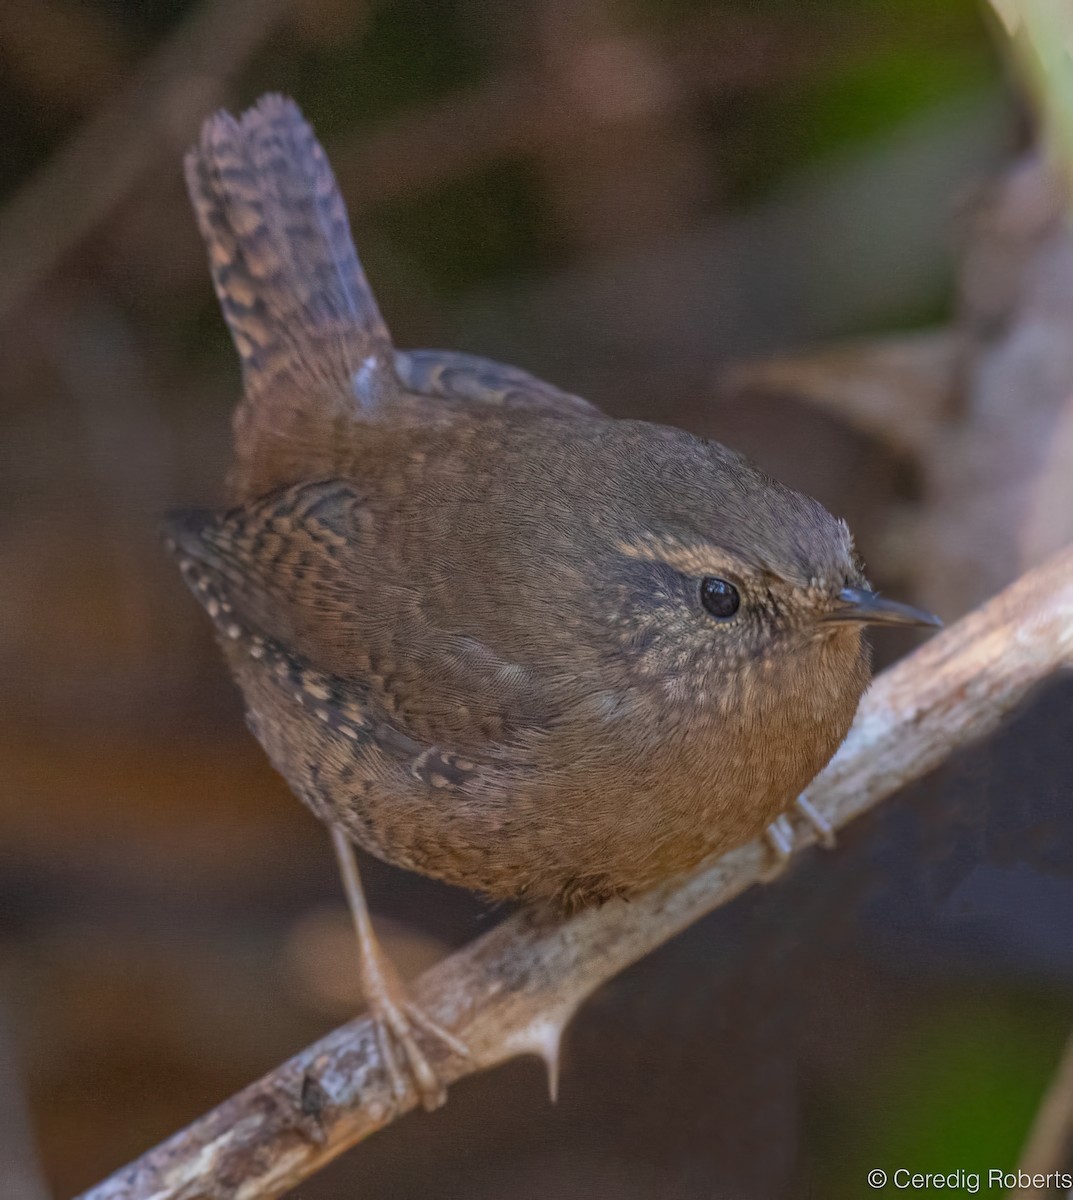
{"x":313,"y":345}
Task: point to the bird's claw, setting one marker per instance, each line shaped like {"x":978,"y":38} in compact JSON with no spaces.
{"x":398,"y":1021}
{"x":824,"y":830}
{"x":780,"y":835}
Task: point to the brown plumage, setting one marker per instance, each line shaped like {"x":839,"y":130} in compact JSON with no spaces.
{"x":466,"y":611}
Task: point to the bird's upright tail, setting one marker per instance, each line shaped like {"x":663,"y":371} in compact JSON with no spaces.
{"x":314,"y":349}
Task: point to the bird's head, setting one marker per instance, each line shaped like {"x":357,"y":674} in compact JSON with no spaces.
{"x":711,"y":576}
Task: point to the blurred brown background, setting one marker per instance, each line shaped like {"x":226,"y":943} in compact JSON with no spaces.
{"x":623,"y":196}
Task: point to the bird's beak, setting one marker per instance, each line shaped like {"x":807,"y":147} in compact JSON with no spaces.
{"x":869,"y":608}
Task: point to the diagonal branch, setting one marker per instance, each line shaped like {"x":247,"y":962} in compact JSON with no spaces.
{"x":1049,"y":1146}
{"x":513,"y":991}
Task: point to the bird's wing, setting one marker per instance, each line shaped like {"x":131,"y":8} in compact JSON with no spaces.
{"x":309,"y":568}
{"x":315,"y":351}
{"x":470,"y":379}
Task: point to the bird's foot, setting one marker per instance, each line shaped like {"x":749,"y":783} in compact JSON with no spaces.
{"x":397,"y":1019}
{"x":399,"y":1022}
{"x":781,"y":838}
{"x":824,"y":830}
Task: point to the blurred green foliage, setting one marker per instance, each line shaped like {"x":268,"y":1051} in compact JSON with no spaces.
{"x":487,"y":226}
{"x":902,"y":58}
{"x":955,"y":1088}
{"x":1041,"y":35}
{"x":405,"y":53}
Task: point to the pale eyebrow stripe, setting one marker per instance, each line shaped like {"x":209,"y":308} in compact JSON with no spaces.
{"x":689,"y":559}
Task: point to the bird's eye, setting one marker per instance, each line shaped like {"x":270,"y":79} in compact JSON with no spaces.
{"x":720,"y":598}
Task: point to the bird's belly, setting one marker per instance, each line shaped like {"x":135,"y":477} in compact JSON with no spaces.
{"x":616,"y":832}
{"x":575,"y":831}
{"x":655,"y":836}
{"x":586,"y":839}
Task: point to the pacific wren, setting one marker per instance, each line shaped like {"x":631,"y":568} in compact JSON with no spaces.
{"x":482,"y":630}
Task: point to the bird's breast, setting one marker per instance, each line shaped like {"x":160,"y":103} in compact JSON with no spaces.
{"x":658,"y":789}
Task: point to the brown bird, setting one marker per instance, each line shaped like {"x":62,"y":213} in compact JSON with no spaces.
{"x":482,"y":630}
